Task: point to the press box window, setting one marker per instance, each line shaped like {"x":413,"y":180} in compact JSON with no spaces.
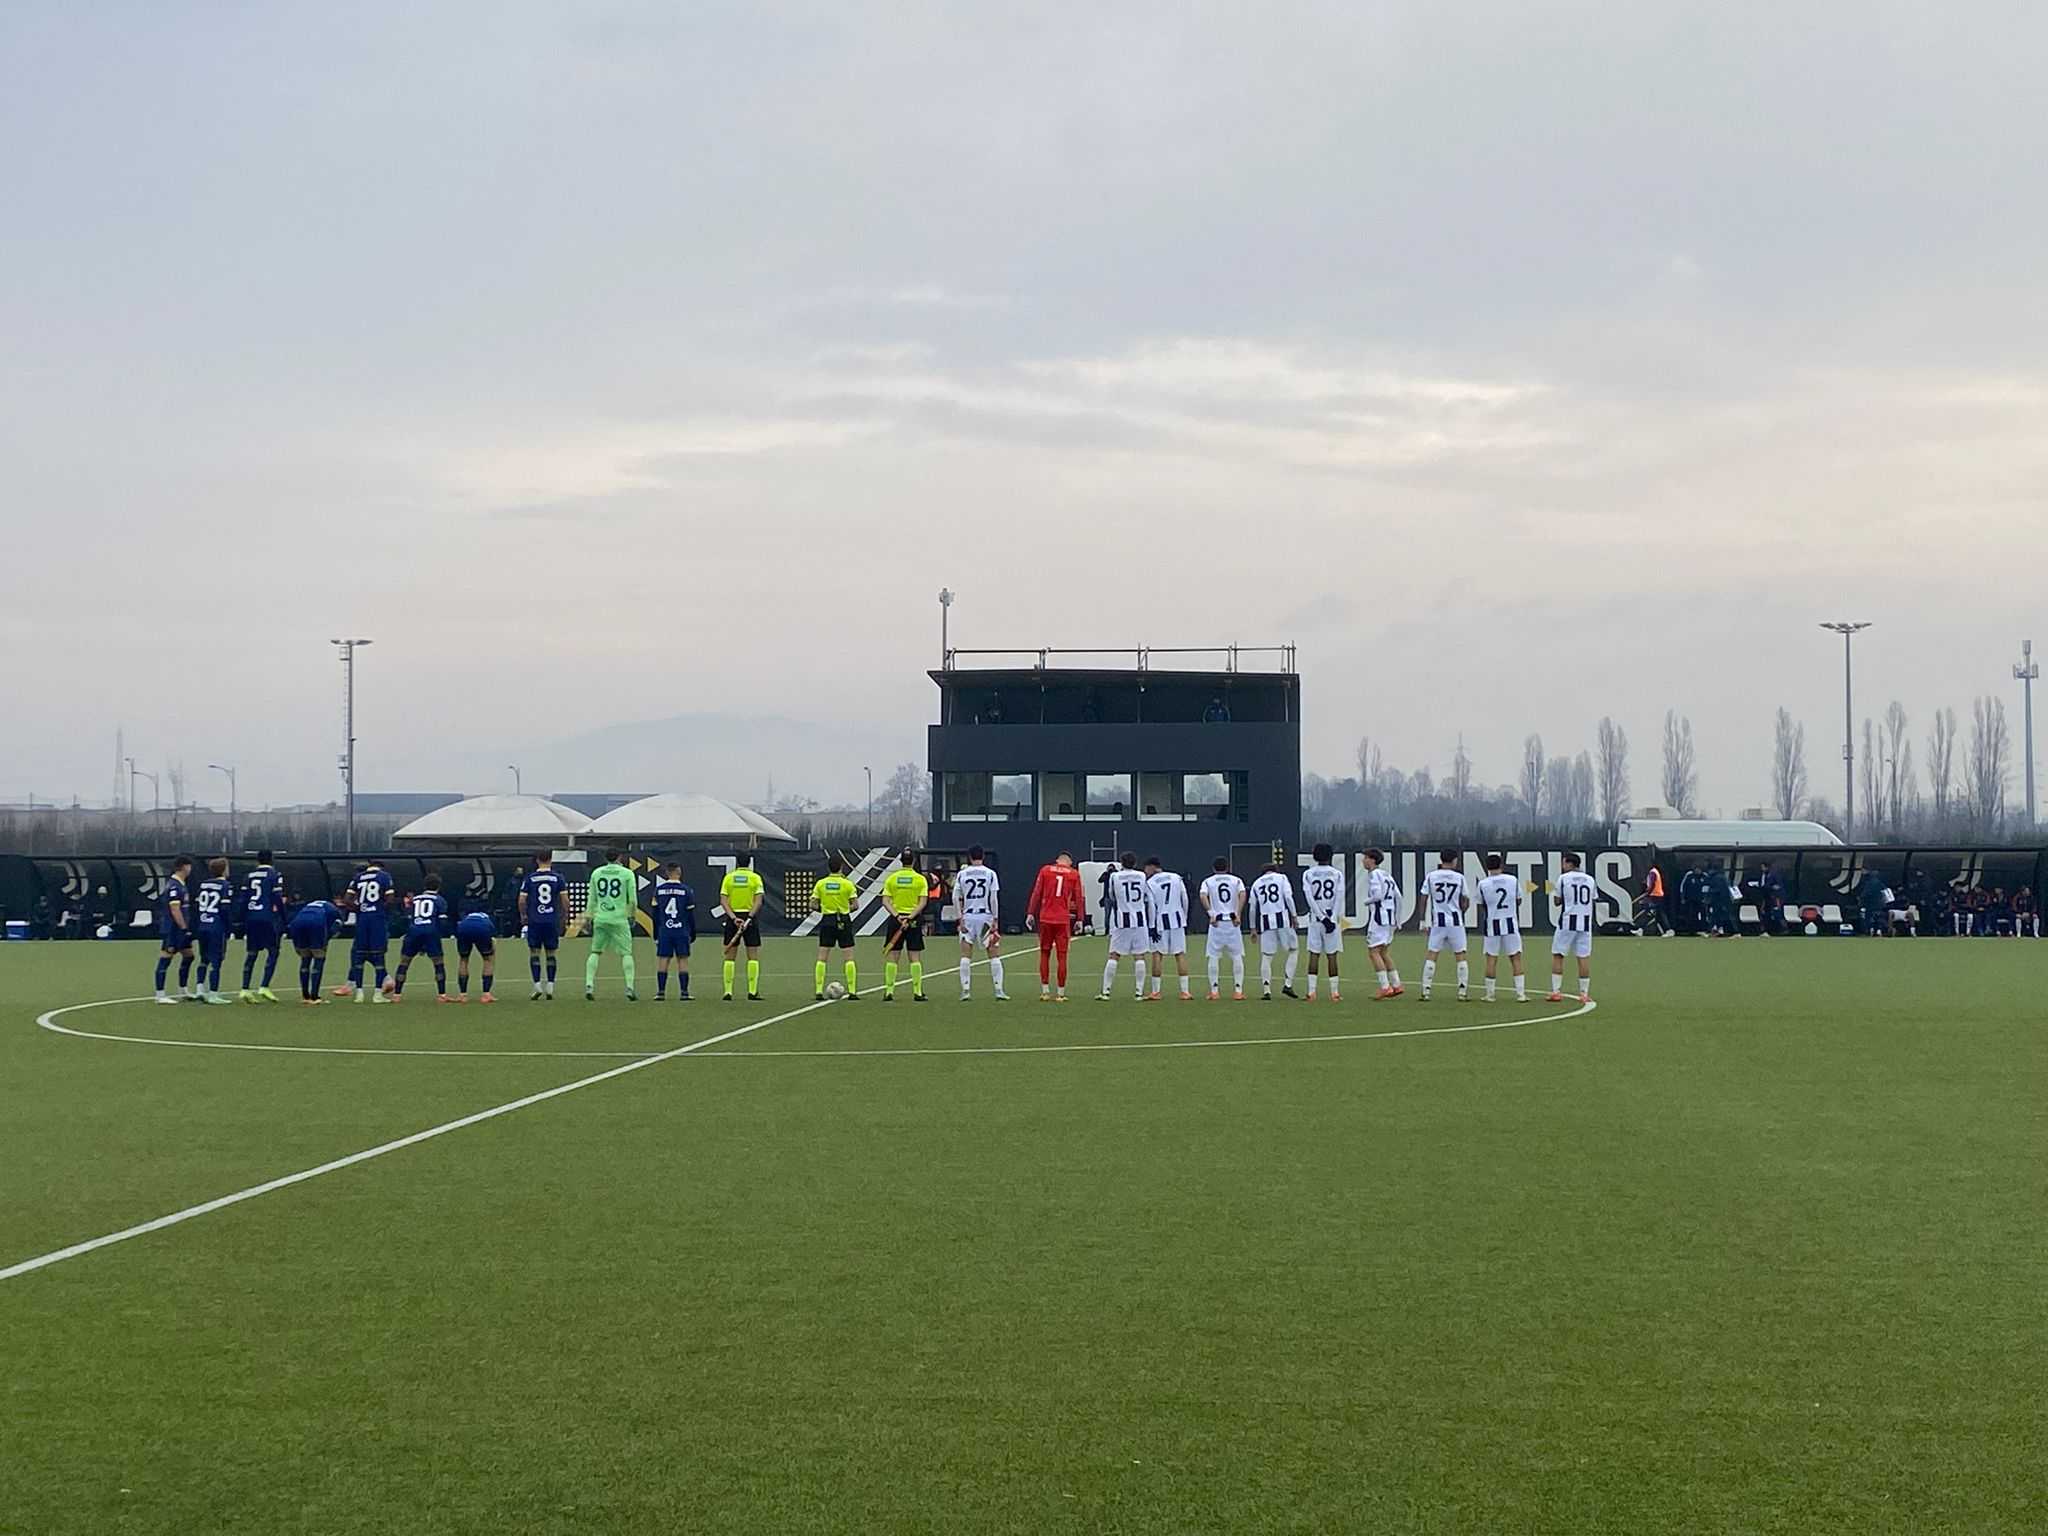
{"x":1190,"y":796}
{"x":1059,"y":796}
{"x":1109,"y":796}
{"x":988,"y":797}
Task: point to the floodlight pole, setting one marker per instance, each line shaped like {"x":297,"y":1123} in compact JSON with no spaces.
{"x":234,"y":829}
{"x":348,"y":731}
{"x":945,"y":630}
{"x":1848,"y":631}
{"x":871,"y":802}
{"x":518,"y":787}
{"x":2027,"y":670}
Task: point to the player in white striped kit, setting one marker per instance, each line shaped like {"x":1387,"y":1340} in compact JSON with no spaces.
{"x":1382,"y":915}
{"x":1129,"y":920}
{"x":1170,"y":925}
{"x":1322,"y":887}
{"x":1500,"y":919}
{"x":1576,"y":896}
{"x":1445,"y":889}
{"x":1274,"y":914}
{"x":1223,"y":900}
{"x":976,"y":892}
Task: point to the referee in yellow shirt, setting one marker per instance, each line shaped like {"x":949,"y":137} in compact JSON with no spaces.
{"x":907,"y":894}
{"x":833,"y":897}
{"x":740,"y":895}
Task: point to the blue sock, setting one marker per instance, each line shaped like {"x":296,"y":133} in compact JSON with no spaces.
{"x":163,"y":969}
{"x":441,"y":979}
{"x":269,"y":964}
{"x":381,"y":975}
{"x":534,"y":961}
{"x":462,"y":982}
{"x":682,"y":983}
{"x":184,"y":970}
{"x":319,"y":972}
{"x":355,"y":970}
{"x":661,"y":984}
{"x":551,"y":965}
{"x":305,"y":976}
{"x":248,"y":968}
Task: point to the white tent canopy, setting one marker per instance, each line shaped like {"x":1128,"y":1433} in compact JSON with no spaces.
{"x":498,"y":819}
{"x":687,"y":818}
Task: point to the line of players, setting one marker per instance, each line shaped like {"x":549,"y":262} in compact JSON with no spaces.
{"x":1146,"y":918}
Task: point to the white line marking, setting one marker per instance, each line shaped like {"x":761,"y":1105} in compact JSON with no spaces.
{"x":1170,"y":1045}
{"x":49,"y":1021}
{"x":43,"y":1261}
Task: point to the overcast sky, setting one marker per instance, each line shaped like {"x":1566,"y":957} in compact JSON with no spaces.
{"x":1523,"y":362}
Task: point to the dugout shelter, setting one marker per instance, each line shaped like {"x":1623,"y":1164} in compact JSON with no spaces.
{"x":1189,"y":754}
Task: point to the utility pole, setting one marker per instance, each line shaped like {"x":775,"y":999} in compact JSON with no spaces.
{"x":2027,"y":670}
{"x":871,"y":802}
{"x":348,"y":731}
{"x":518,"y":786}
{"x":1848,"y":631}
{"x":945,"y":640}
{"x":234,"y":824}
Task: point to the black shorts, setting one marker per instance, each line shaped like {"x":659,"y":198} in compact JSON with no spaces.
{"x":747,"y":931}
{"x":835,"y":931}
{"x":906,"y":935}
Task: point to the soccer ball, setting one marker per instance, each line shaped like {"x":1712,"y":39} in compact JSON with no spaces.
{"x":835,"y":990}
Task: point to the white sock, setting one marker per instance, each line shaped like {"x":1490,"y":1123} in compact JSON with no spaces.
{"x":1138,"y":980}
{"x":1464,"y":975}
{"x":1289,"y":972}
{"x":1109,"y":975}
{"x":1384,"y":983}
{"x":1158,"y":982}
{"x":1215,"y":971}
{"x":995,"y":971}
{"x":966,"y":974}
{"x":1333,"y":986}
{"x":1489,"y":988}
{"x":1557,"y":982}
{"x":1393,"y":978}
{"x":1313,"y":979}
{"x":1585,"y":987}
{"x":1186,"y":985}
{"x":1521,"y":989}
{"x":1237,"y":972}
{"x":1428,"y":976}
{"x":1266,"y":972}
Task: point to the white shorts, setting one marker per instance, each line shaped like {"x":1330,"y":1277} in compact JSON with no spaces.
{"x":1503,"y":943}
{"x":1378,"y":935}
{"x":1579,"y":944}
{"x":1321,"y":943}
{"x":977,"y":931}
{"x":1273,"y":940}
{"x":1225,"y":939}
{"x":1172,"y":941}
{"x":1129,"y":941}
{"x":1452,"y":939}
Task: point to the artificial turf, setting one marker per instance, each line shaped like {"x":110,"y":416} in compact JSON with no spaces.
{"x":1756,"y":1246}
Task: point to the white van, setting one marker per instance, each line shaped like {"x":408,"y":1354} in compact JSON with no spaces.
{"x":1676,"y":833}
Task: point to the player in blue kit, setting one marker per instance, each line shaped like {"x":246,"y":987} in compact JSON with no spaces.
{"x":426,"y":925}
{"x":371,"y":890}
{"x":312,"y":928}
{"x":214,"y":902}
{"x":262,"y":913}
{"x":675,"y":925}
{"x":540,"y":915}
{"x":174,"y":929}
{"x":476,"y":931}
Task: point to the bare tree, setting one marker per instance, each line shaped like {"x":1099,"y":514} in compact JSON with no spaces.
{"x":1459,"y":785}
{"x":906,"y":799}
{"x":1941,"y":765}
{"x":1580,"y":813}
{"x":1990,"y":764}
{"x":1610,"y":771}
{"x":1315,"y":790}
{"x":1870,"y":778}
{"x":1788,"y":766}
{"x":1681,"y":765}
{"x":1369,"y":760}
{"x":1533,"y":764}
{"x":1557,"y":790}
{"x":1898,"y":763}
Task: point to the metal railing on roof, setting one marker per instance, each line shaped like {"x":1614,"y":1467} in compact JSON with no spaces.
{"x":1233,"y":657}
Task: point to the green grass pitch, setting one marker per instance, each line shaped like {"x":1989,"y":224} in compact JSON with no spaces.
{"x":1756,"y":1246}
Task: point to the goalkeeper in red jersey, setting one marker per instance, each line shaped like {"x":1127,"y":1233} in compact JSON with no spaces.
{"x":1054,"y":908}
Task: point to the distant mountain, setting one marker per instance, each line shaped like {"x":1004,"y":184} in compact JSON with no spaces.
{"x":731,"y":756}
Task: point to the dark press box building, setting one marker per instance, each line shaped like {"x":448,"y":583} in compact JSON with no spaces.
{"x":1151,"y":758}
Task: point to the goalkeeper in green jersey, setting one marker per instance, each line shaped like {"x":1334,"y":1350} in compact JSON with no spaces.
{"x":608,"y":907}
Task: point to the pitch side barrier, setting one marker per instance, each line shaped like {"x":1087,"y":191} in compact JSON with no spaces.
{"x":77,"y":897}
